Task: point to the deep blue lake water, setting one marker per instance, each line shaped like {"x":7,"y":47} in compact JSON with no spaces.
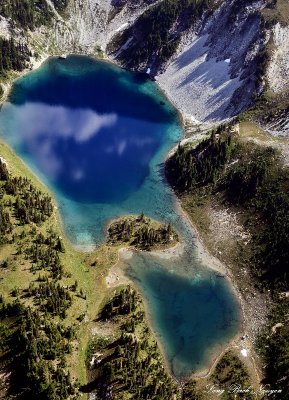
{"x":97,"y":136}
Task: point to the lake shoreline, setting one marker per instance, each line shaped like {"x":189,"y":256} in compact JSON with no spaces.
{"x":34,"y":64}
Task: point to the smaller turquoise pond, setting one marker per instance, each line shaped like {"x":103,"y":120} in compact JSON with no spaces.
{"x":192,"y":309}
{"x":97,"y":136}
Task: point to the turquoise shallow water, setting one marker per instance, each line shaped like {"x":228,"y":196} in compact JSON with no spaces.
{"x":97,"y":136}
{"x":195,"y":313}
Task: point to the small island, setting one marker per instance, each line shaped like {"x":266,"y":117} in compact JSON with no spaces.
{"x":141,"y":232}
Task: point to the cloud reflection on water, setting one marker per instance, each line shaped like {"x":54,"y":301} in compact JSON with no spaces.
{"x":89,"y":155}
{"x":79,"y":124}
{"x":43,"y":125}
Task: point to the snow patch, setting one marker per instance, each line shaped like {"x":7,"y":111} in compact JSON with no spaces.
{"x":122,"y":27}
{"x":125,"y":46}
{"x":244,"y":353}
{"x":199,"y":86}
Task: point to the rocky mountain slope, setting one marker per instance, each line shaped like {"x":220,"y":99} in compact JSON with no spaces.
{"x":213,"y":58}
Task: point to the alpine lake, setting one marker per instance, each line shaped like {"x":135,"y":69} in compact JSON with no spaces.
{"x":97,"y":136}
